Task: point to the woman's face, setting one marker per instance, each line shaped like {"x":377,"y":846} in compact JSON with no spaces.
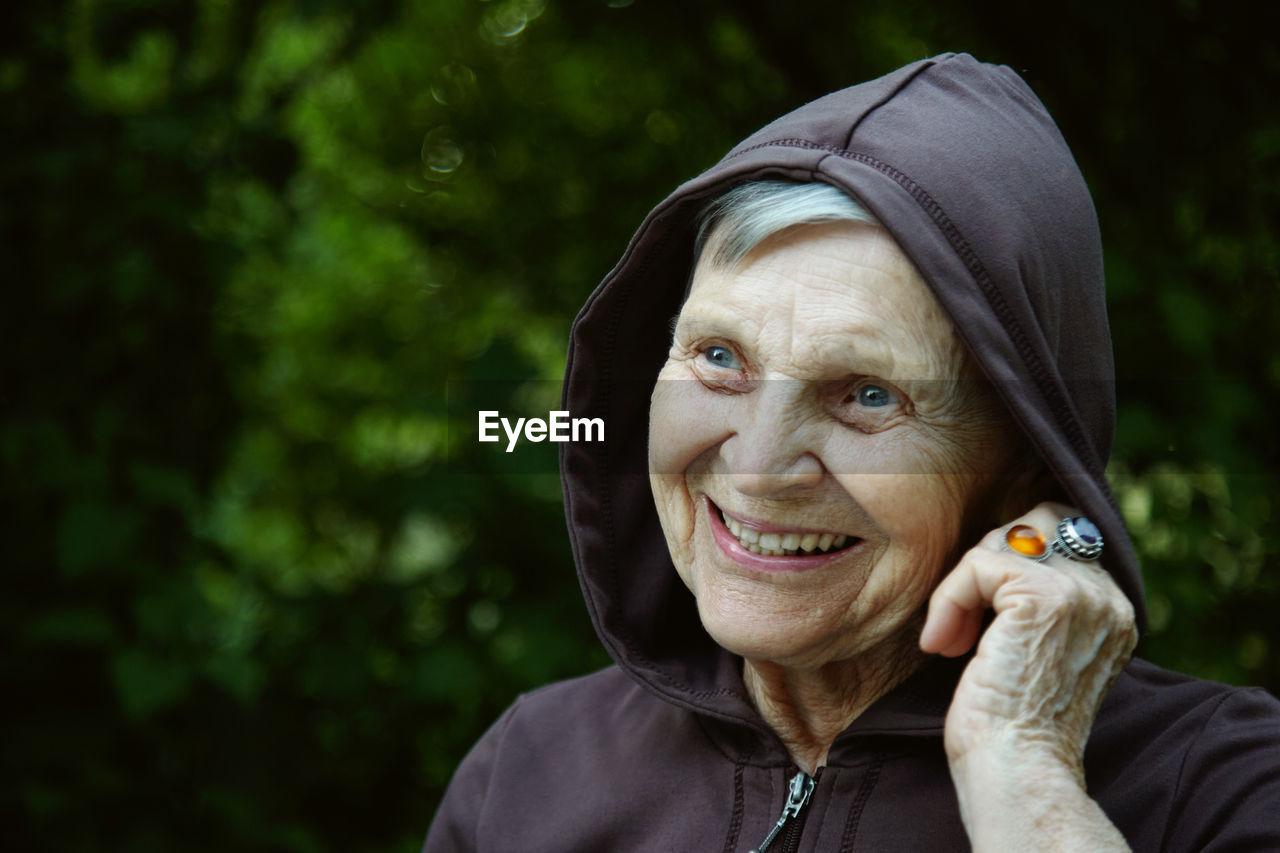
{"x":818,"y":391}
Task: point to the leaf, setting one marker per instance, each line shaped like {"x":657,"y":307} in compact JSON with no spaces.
{"x":146,"y":684}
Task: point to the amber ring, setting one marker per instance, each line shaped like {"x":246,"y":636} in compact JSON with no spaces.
{"x":1077,"y":538}
{"x":1026,"y":541}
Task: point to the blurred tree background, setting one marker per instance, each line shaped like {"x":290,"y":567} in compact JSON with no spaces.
{"x":255,"y":599}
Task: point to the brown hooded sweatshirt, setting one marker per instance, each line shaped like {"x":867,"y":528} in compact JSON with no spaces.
{"x":664,"y":750}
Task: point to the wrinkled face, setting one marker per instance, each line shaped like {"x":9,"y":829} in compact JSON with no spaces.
{"x":818,"y":447}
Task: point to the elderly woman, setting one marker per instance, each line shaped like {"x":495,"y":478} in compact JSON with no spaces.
{"x":851,"y":566}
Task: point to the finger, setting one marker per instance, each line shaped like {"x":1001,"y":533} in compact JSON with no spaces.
{"x":949,"y":630}
{"x":957,"y":605}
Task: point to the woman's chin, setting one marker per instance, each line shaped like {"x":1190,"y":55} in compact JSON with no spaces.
{"x":762,"y":637}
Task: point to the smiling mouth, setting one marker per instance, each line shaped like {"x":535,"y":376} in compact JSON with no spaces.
{"x":785,"y":543}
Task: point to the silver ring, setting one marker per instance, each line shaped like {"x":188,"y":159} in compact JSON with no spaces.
{"x":1078,"y":539}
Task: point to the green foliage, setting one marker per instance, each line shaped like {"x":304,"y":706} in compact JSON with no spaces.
{"x":257,"y":599}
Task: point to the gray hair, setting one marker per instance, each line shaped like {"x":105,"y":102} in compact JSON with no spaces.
{"x":747,"y":215}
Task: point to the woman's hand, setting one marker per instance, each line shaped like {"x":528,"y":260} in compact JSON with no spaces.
{"x":1022,"y":712}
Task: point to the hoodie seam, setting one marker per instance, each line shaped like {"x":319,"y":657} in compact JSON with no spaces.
{"x":743,"y":758}
{"x":865,"y":788}
{"x":735,"y":816}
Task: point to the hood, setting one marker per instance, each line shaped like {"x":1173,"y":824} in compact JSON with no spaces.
{"x":963,"y":165}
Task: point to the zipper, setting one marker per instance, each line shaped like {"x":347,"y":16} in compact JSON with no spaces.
{"x":798,"y":794}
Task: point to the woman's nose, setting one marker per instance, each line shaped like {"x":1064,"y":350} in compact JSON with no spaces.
{"x":770,"y":451}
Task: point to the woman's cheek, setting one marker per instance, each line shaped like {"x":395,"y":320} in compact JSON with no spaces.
{"x":851,"y":452}
{"x":685,"y":420}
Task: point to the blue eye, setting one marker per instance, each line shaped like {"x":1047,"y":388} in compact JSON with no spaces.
{"x":722,"y":357}
{"x":875,"y":396}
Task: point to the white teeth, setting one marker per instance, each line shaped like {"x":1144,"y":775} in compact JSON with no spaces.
{"x":783,"y":544}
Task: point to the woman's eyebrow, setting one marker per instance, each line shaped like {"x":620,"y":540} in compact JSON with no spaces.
{"x":699,"y":326}
{"x":866,"y":355}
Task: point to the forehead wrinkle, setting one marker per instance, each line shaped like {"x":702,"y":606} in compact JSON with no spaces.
{"x":867,"y":331}
{"x":901,"y":322}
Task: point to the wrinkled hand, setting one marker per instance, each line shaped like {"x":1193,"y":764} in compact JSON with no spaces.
{"x":1062,"y":632}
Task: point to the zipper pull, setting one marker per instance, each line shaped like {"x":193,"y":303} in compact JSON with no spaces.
{"x":801,"y":789}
